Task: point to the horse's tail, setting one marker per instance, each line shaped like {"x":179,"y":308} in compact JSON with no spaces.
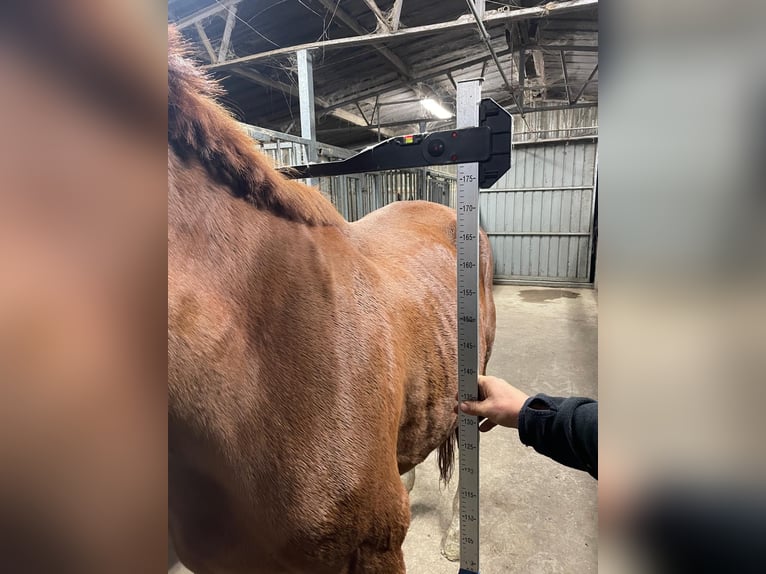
{"x":446,"y":456}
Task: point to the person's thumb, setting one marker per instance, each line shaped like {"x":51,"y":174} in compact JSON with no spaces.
{"x":476,"y":408}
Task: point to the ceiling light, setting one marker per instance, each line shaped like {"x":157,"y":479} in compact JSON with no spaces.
{"x":435,"y":108}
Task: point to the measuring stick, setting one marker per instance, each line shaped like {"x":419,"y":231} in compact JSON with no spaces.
{"x":468,"y":98}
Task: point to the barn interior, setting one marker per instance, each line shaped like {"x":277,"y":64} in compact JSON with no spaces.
{"x":318,"y":80}
{"x":376,"y":61}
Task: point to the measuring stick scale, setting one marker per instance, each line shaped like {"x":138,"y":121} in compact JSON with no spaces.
{"x":468,"y":98}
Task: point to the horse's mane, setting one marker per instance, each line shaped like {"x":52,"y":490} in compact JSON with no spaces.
{"x":199,"y":126}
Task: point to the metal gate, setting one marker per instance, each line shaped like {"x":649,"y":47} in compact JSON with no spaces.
{"x":354,"y":196}
{"x":540,"y":215}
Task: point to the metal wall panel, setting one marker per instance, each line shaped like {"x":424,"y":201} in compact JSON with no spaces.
{"x":539,"y":215}
{"x":567,"y":123}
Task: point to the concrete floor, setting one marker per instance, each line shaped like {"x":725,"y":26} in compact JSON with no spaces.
{"x":537,"y":517}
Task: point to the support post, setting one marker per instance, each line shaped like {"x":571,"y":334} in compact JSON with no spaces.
{"x":488,"y":43}
{"x":306,"y":98}
{"x":522,"y":73}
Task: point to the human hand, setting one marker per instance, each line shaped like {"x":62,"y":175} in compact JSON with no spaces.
{"x":500,"y":403}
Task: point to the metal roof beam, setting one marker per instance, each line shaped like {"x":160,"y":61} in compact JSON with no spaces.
{"x":435,"y":72}
{"x":205,"y":41}
{"x":288,"y":89}
{"x":480,"y":6}
{"x":549,"y":108}
{"x":200,"y":15}
{"x":396,"y":13}
{"x":566,"y":76}
{"x":464,"y":22}
{"x":230,"y":21}
{"x":488,"y":43}
{"x":382,"y":22}
{"x":432,"y":73}
{"x":354,"y":25}
{"x":262,"y":80}
{"x":567,"y":47}
{"x":361,"y":112}
{"x":395,"y":124}
{"x":585,"y":85}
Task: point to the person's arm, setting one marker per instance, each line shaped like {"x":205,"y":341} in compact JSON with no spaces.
{"x":564,"y":429}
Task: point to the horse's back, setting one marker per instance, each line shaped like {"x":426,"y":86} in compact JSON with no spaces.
{"x":402,"y":223}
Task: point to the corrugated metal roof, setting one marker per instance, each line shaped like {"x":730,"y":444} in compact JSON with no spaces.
{"x":363,"y":73}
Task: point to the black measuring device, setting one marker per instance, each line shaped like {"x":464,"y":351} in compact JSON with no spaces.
{"x":488,"y":144}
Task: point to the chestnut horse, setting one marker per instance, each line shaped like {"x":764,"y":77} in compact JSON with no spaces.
{"x":311,"y":361}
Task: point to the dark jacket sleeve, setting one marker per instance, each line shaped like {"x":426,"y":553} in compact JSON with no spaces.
{"x":564,"y":429}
